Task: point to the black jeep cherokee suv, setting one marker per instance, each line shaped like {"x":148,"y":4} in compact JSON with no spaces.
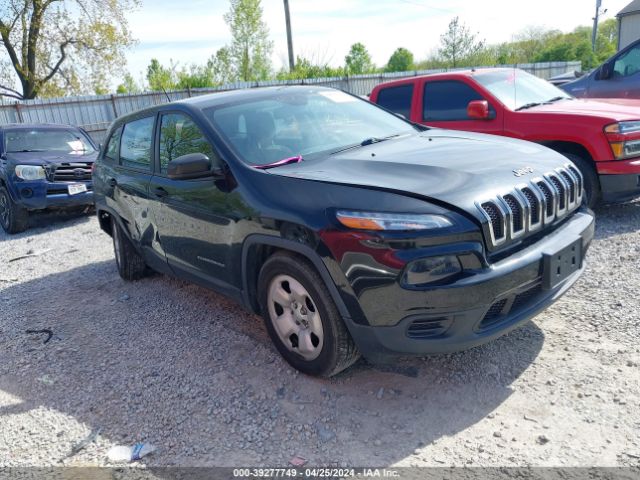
{"x":351,"y":230}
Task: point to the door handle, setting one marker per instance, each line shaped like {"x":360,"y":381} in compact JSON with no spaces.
{"x":112,"y":182}
{"x":160,"y":192}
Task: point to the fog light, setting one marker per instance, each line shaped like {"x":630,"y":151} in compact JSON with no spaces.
{"x":26,"y":192}
{"x":430,"y":270}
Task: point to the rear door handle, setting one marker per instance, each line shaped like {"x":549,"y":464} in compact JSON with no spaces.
{"x":112,"y":182}
{"x":160,"y":192}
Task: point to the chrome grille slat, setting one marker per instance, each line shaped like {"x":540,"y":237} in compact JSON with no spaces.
{"x":532,"y":205}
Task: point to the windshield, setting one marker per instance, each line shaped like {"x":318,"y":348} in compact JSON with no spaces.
{"x":302,"y":123}
{"x":517,"y":89}
{"x":47,"y":140}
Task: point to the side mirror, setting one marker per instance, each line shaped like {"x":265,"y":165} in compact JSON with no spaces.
{"x":605,"y":71}
{"x":479,"y":110}
{"x":192,"y":165}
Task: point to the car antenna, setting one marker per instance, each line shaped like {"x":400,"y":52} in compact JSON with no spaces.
{"x":165,"y":92}
{"x":515,"y":91}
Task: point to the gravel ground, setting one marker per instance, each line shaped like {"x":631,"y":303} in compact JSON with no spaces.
{"x":170,"y":363}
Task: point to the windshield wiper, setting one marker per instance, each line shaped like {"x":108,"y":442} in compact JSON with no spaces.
{"x":279,"y":163}
{"x":367,"y":141}
{"x":528,"y":105}
{"x":555,"y":99}
{"x":26,"y":150}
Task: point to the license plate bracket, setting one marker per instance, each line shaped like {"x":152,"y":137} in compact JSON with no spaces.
{"x":76,"y":188}
{"x":560,"y":265}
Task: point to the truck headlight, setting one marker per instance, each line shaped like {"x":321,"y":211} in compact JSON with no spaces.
{"x":391,"y":221}
{"x":30,"y":172}
{"x":624,"y":138}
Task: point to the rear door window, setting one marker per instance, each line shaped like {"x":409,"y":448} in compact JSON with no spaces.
{"x":135,"y":147}
{"x":397,"y":99}
{"x":447,"y":100}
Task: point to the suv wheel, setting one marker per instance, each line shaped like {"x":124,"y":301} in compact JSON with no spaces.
{"x":302,"y":319}
{"x":591,"y":182}
{"x":130,"y":264}
{"x":13,"y":217}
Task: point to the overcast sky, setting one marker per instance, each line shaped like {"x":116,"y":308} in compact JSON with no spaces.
{"x":190,"y":31}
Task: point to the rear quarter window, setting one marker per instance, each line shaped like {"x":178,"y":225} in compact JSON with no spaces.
{"x":397,"y":99}
{"x":113,"y":146}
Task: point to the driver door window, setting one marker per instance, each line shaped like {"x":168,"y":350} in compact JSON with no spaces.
{"x":179,"y":135}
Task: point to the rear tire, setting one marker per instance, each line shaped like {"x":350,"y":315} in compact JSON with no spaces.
{"x":591,"y":182}
{"x":130,"y":264}
{"x":13,"y":217}
{"x":301,"y":317}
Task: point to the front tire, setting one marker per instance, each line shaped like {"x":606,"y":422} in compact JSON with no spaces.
{"x":13,"y":217}
{"x":302,"y":319}
{"x":130,"y":264}
{"x":591,"y":182}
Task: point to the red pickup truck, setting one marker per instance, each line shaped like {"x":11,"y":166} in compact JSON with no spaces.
{"x":602,"y":137}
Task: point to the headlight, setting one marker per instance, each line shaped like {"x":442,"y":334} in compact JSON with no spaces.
{"x":623,"y":127}
{"x":430,"y":270}
{"x":30,"y":172}
{"x":622,"y":146}
{"x":391,"y":221}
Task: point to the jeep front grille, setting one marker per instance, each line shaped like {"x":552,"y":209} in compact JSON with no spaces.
{"x":533,"y":205}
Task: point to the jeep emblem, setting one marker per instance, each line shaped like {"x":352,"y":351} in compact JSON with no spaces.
{"x":522,"y":171}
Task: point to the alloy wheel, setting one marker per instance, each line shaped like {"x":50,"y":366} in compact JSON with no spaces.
{"x":295,"y":317}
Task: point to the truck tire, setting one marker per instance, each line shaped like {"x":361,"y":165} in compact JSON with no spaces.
{"x":13,"y":217}
{"x":301,"y":317}
{"x":130,"y":264}
{"x":591,"y":182}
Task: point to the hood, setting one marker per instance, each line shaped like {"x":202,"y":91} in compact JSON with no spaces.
{"x":48,"y":158}
{"x":609,"y":109}
{"x":456,"y":168}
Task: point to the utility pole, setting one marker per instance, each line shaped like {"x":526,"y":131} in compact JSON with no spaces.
{"x":594,"y":32}
{"x":287,"y":17}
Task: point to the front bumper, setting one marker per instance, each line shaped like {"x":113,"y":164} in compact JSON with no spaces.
{"x":472,"y":311}
{"x":38,"y":195}
{"x":619,"y":179}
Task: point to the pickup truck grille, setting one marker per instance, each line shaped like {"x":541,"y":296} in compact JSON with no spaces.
{"x":532,"y":206}
{"x":70,"y":172}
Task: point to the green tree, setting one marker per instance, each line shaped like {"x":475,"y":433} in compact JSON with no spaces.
{"x":458,"y":44}
{"x":128,"y":85}
{"x":160,"y":77}
{"x":220,"y":65}
{"x":63,"y":45}
{"x":250,"y":48}
{"x":400,"y":61}
{"x":358,"y":60}
{"x":305,"y":68}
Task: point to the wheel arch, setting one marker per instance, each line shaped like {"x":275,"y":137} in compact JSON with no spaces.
{"x":257,"y":248}
{"x":574,"y":148}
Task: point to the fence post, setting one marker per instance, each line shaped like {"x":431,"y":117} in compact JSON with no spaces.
{"x":18,"y":112}
{"x":113,"y":104}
